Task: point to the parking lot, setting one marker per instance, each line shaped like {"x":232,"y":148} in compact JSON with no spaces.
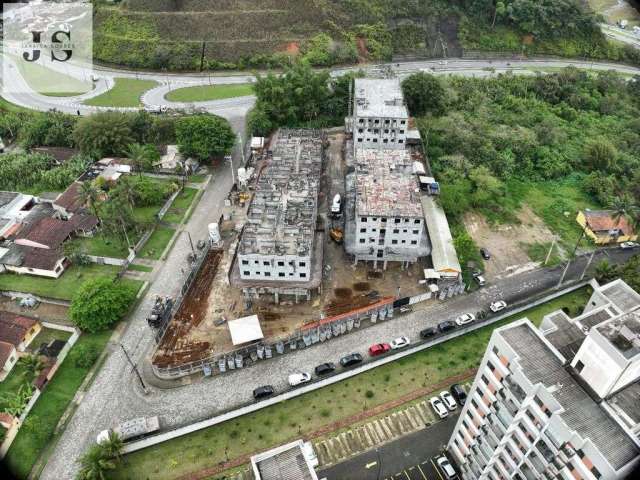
{"x":411,"y":457}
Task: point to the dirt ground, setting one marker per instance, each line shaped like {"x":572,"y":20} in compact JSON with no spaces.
{"x":44,"y":311}
{"x":505,"y":242}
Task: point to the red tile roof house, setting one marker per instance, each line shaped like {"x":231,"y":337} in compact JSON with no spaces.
{"x":16,"y":333}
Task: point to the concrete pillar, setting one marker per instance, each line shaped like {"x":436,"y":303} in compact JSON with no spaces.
{"x":375,"y":264}
{"x":385,"y":265}
{"x":276,"y":297}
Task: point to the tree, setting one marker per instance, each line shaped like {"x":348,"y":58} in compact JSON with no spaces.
{"x":112,"y":446}
{"x":204,"y":136}
{"x":424,"y":94}
{"x":99,"y":303}
{"x":142,"y":156}
{"x":104,"y":133}
{"x":600,"y":154}
{"x":605,"y":272}
{"x":90,"y":195}
{"x":94,"y":464}
{"x":32,"y":365}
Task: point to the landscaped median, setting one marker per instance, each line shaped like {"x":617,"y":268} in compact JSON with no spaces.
{"x":204,"y":93}
{"x":125,"y":93}
{"x":209,"y":451}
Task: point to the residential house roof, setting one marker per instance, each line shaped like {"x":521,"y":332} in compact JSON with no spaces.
{"x":83,"y":221}
{"x":6,"y":350}
{"x":14,"y":327}
{"x":46,"y":233}
{"x":603,"y":220}
{"x":61,"y":154}
{"x":32,"y":257}
{"x":70,"y":199}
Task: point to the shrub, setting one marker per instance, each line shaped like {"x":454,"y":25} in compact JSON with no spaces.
{"x":369,"y":394}
{"x":84,"y":355}
{"x":99,"y":303}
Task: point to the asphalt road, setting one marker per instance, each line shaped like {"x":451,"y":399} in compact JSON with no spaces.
{"x":411,"y":457}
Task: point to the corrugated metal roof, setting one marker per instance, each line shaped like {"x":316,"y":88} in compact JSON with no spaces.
{"x":443,"y":252}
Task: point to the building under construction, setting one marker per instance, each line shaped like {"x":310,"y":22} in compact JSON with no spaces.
{"x":385,"y":221}
{"x":280,"y":249}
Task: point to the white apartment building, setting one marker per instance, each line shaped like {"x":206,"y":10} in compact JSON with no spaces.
{"x":533,"y":411}
{"x":386,"y":222}
{"x":380,"y":117}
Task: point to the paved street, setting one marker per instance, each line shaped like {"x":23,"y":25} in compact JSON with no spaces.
{"x":408,"y":458}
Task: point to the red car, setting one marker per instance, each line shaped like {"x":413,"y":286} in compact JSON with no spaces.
{"x":379,"y":349}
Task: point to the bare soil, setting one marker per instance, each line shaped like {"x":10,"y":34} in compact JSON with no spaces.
{"x":48,"y":312}
{"x":505,"y":242}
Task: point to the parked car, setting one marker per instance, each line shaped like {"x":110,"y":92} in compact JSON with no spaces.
{"x":448,"y":400}
{"x":428,"y":332}
{"x":446,"y":326}
{"x":351,"y":360}
{"x":485,"y":253}
{"x":458,"y":393}
{"x":445,"y":467}
{"x":405,"y":309}
{"x":325,"y":368}
{"x":263,"y":392}
{"x":379,"y":349}
{"x":135,"y":428}
{"x":628,"y":245}
{"x":439,"y":407}
{"x":399,"y":342}
{"x":296,"y":379}
{"x":497,"y":306}
{"x":336,"y":205}
{"x":480,"y":280}
{"x":465,"y":318}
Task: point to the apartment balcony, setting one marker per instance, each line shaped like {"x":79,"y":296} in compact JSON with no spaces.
{"x":544,"y":451}
{"x":504,"y":416}
{"x":516,"y":390}
{"x":528,"y":473}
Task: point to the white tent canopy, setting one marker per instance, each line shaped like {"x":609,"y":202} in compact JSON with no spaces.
{"x":245,"y":329}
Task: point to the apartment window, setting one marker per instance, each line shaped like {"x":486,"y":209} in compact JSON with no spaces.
{"x":474,"y":403}
{"x":246,"y":273}
{"x":361,"y":120}
{"x":491,"y":366}
{"x":360,"y":130}
{"x":485,"y":379}
{"x":375,"y":130}
{"x":303,"y":264}
{"x":377,"y":121}
{"x":415,"y":232}
{"x":386,"y":122}
{"x":383,"y":219}
{"x":256,"y":262}
{"x":386,"y":130}
{"x":360,"y":139}
{"x":579,"y":366}
{"x":401,"y":131}
{"x":257,"y":273}
{"x":281,"y":274}
{"x":403,"y":242}
{"x":495,"y":350}
{"x":267,"y":274}
{"x":266,"y":264}
{"x":394,"y":242}
{"x":375,"y":219}
{"x":400,"y":141}
{"x":374,"y":230}
{"x":402,"y":122}
{"x":385,"y":141}
{"x":281,"y":264}
{"x":414,"y":242}
{"x":303,"y":275}
{"x":595,"y":472}
{"x":395,"y":230}
{"x":362,"y":240}
{"x":397,"y":220}
{"x":417,"y":221}
{"x":363,"y":230}
{"x":245,"y":262}
{"x":372,"y":240}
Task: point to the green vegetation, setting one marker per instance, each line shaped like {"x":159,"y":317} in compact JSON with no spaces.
{"x":37,"y":432}
{"x":64,"y":287}
{"x":99,"y":303}
{"x":538,"y":253}
{"x":547,"y":141}
{"x":303,"y":415}
{"x":204,"y":136}
{"x":629,"y":272}
{"x":42,"y":79}
{"x":205,"y":93}
{"x":125,"y":93}
{"x":139,"y":268}
{"x":100,"y":245}
{"x":157,"y":243}
{"x":180,"y":205}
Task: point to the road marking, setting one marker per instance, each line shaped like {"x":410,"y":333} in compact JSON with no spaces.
{"x":370,"y":465}
{"x":435,"y":467}
{"x":405,"y":472}
{"x":421,"y":472}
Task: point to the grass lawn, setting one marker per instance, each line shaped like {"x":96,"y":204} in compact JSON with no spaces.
{"x":180,"y":206}
{"x":102,"y":246}
{"x":48,"y":410}
{"x":12,"y":383}
{"x":538,"y":253}
{"x":64,"y":287}
{"x":140,"y":268}
{"x":45,"y":80}
{"x":125,"y":93}
{"x":203,"y":93}
{"x":157,"y":243}
{"x":46,"y":335}
{"x":198,"y":178}
{"x":295,"y":418}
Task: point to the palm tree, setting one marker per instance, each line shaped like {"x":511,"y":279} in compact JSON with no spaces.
{"x":90,"y":195}
{"x":94,"y":463}
{"x":32,"y":365}
{"x":605,"y":272}
{"x":622,"y":207}
{"x":112,"y":447}
{"x":141,"y":156}
{"x":127,"y":192}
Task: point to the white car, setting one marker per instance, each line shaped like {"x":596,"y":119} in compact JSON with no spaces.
{"x":399,"y":342}
{"x":448,"y":400}
{"x":627,"y":245}
{"x":296,"y":379}
{"x":445,"y":467}
{"x":497,"y":306}
{"x":439,"y":407}
{"x":480,"y":280}
{"x":465,"y":318}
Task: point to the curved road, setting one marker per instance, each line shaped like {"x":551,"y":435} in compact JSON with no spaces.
{"x":115,"y":395}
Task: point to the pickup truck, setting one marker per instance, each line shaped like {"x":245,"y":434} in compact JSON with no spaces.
{"x":131,"y":429}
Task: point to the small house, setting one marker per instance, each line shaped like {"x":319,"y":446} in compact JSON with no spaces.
{"x":603,"y":228}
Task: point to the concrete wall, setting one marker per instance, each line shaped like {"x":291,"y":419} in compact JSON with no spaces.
{"x":379,"y":132}
{"x":406,"y":236}
{"x":290,"y":268}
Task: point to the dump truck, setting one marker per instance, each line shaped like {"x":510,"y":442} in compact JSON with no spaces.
{"x":131,"y":429}
{"x":337,"y":235}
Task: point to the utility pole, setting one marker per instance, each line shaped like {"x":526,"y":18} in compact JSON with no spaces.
{"x":588,"y":264}
{"x":564,"y":272}
{"x":553,"y":242}
{"x":193,"y":250}
{"x":134,"y":367}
